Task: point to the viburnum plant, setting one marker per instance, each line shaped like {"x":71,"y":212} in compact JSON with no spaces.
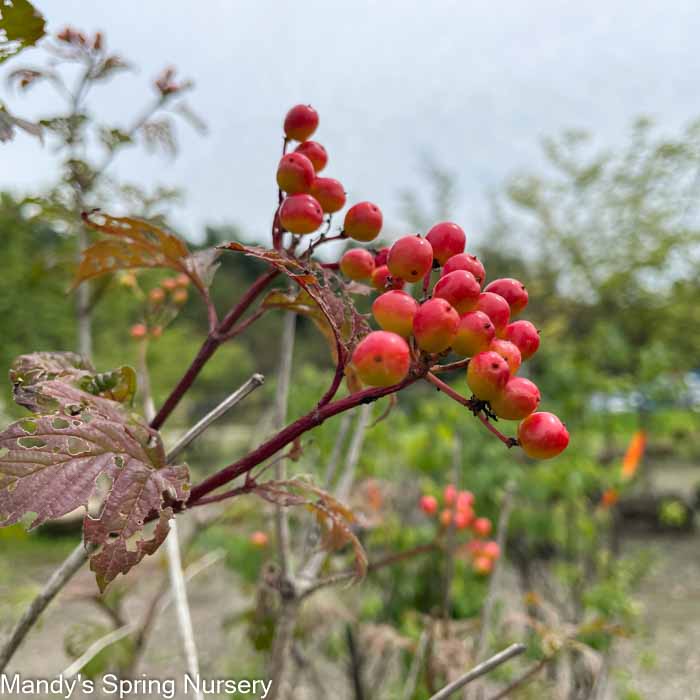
{"x":82,"y":431}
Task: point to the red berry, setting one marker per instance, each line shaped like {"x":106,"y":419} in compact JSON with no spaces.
{"x":410,"y":258}
{"x":301,"y":213}
{"x":394,"y":311}
{"x":301,"y":121}
{"x":169,"y":283}
{"x":357,"y":264}
{"x":496,"y":308}
{"x":519,"y":398}
{"x":315,"y":152}
{"x":491,"y":550}
{"x":460,"y":289}
{"x":435,"y":325}
{"x":465,"y":499}
{"x":330,"y":194}
{"x":487,"y":375}
{"x":446,"y":517}
{"x":295,"y":174}
{"x":509,"y":352}
{"x":467,"y":262}
{"x":474,"y":334}
{"x":157,"y":295}
{"x":447,"y":240}
{"x":542,"y":435}
{"x":429,"y":505}
{"x":381,"y":277}
{"x":483,"y":565}
{"x":513,"y":291}
{"x":381,"y":257}
{"x":138,"y":331}
{"x":182,"y":280}
{"x":259,"y":539}
{"x":450,"y":494}
{"x":463,"y":518}
{"x":180,"y":296}
{"x":525,"y":336}
{"x":482,"y":527}
{"x":381,"y":358}
{"x":363,"y":221}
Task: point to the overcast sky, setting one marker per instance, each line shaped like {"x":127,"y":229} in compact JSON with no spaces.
{"x":475,"y":84}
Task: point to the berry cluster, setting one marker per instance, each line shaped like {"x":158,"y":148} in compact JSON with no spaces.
{"x":162,"y":304}
{"x":453,"y":310}
{"x":459,"y":316}
{"x":457,"y":511}
{"x":308,"y":196}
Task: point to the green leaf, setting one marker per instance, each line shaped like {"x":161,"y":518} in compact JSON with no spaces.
{"x":21,"y":25}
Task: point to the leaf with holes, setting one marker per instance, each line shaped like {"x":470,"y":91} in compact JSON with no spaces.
{"x":82,"y":450}
{"x":290,"y":266}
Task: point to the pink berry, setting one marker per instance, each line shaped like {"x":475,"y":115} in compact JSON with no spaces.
{"x":446,"y":517}
{"x":394,"y":311}
{"x":487,"y":375}
{"x":435,"y":325}
{"x":357,"y":264}
{"x":512,"y":290}
{"x":301,"y":213}
{"x":138,"y":331}
{"x":315,"y":152}
{"x":330,"y":194}
{"x":496,"y":308}
{"x":525,"y":336}
{"x":467,"y":262}
{"x":520,"y":397}
{"x":301,"y":121}
{"x":450,"y":494}
{"x":447,"y":240}
{"x":542,"y":435}
{"x":259,"y":539}
{"x":509,"y":352}
{"x":474,"y":334}
{"x":483,"y":565}
{"x":295,"y":174}
{"x":363,"y":221}
{"x":381,"y":359}
{"x":381,"y":257}
{"x":482,"y":527}
{"x":462,"y":519}
{"x":382,"y":279}
{"x":465,"y":499}
{"x":491,"y":550}
{"x":410,"y":258}
{"x":460,"y":289}
{"x":429,"y":505}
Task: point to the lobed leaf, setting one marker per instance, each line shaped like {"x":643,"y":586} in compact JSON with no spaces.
{"x":78,"y":441}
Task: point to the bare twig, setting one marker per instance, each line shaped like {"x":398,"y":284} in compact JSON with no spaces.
{"x":480,"y":670}
{"x":96,"y":647}
{"x":522,"y":679}
{"x":58,"y":580}
{"x":416,"y":665}
{"x":487,"y":610}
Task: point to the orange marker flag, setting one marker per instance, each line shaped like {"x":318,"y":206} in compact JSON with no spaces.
{"x":634,"y":453}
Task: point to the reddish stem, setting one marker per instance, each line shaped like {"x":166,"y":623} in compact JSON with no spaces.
{"x":210,"y":346}
{"x":460,"y":364}
{"x":294,"y":430}
{"x":507,"y":441}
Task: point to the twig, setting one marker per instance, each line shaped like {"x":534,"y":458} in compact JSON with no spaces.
{"x":450,"y":367}
{"x":96,"y":647}
{"x":256,"y":381}
{"x":354,"y":451}
{"x":487,"y":610}
{"x":451,"y":539}
{"x":58,"y":580}
{"x":480,"y":670}
{"x":522,"y":680}
{"x":281,"y":405}
{"x":334,"y":459}
{"x":416,"y":665}
{"x":172,"y":544}
{"x":355,"y":664}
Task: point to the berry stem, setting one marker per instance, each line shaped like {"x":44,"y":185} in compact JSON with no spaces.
{"x":459,"y":364}
{"x":507,"y":441}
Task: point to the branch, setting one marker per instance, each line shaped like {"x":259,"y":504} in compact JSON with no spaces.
{"x":210,"y":346}
{"x":523,"y":679}
{"x":480,"y":670}
{"x":294,"y":430}
{"x":58,"y":580}
{"x":96,"y":647}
